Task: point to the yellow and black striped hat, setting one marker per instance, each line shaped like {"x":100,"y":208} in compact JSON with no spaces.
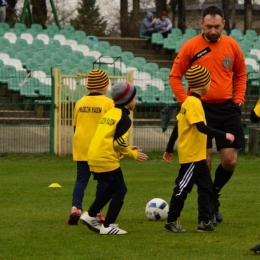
{"x":97,"y":80}
{"x":198,"y":77}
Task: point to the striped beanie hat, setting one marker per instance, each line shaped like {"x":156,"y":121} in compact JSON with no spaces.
{"x":123,"y":93}
{"x":198,"y":77}
{"x":97,"y":80}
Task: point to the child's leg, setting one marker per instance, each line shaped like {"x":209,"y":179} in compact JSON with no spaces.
{"x":184,"y":183}
{"x":205,"y":186}
{"x":83,"y":175}
{"x":117,"y":201}
{"x":101,"y":200}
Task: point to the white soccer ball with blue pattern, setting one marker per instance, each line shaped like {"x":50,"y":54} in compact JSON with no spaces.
{"x":157,"y":209}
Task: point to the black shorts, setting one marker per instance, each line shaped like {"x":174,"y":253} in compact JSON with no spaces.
{"x":227,"y":118}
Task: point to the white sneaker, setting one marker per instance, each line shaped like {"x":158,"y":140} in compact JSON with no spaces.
{"x":112,"y":230}
{"x":90,"y":222}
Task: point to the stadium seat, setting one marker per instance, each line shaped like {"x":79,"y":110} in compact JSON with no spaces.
{"x":13,"y":84}
{"x":169,"y":43}
{"x":29,"y":87}
{"x":177,"y":31}
{"x":20,"y":44}
{"x":31,"y":31}
{"x":6,"y":72}
{"x":61,"y":38}
{"x":37,"y":27}
{"x":253,"y":63}
{"x":255,"y":52}
{"x":69,"y":28}
{"x":150,"y":96}
{"x":157,"y":39}
{"x":10,"y":36}
{"x":191,"y":32}
{"x":94,"y":40}
{"x":166,"y":97}
{"x":65,"y":33}
{"x":144,"y":36}
{"x":44,"y":37}
{"x":128,"y":54}
{"x":28,"y":37}
{"x":83,"y":48}
{"x":163,"y":74}
{"x":16,"y":63}
{"x":158,"y":83}
{"x":236,"y":34}
{"x":4,"y":57}
{"x":252,"y":33}
{"x":5,"y":26}
{"x":72,"y":43}
{"x":116,"y":48}
{"x":95,"y":54}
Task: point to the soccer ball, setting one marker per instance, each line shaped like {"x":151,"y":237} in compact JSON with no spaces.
{"x":157,"y":209}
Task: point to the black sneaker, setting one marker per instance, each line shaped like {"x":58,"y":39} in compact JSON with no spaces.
{"x":215,"y":209}
{"x":256,"y":249}
{"x":202,"y":227}
{"x":213,"y":219}
{"x":218,"y":217}
{"x":174,"y":227}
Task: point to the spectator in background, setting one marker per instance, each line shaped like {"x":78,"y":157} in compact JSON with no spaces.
{"x":3,"y":5}
{"x":148,"y":24}
{"x":163,"y":25}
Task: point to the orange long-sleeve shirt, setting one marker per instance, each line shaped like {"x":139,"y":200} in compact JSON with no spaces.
{"x":225,"y":62}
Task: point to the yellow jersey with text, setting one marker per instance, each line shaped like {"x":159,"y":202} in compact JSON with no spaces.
{"x":191,"y":142}
{"x":87,"y":113}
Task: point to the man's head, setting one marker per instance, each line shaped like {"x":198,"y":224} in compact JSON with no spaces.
{"x":212,"y":23}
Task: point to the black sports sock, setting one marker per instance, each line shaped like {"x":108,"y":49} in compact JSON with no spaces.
{"x":222,"y":176}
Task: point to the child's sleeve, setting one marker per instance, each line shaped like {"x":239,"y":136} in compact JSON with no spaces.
{"x":120,"y":137}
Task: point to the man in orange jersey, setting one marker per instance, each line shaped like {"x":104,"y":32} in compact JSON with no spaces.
{"x":222,"y":56}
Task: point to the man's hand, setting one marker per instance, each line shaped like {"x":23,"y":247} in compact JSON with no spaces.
{"x":168,"y":157}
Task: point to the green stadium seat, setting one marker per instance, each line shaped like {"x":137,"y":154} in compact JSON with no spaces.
{"x":151,"y":67}
{"x":6,"y":72}
{"x":32,"y":32}
{"x":157,"y":39}
{"x":13,"y":84}
{"x":236,"y":34}
{"x":94,"y":40}
{"x":69,"y":28}
{"x":116,"y":49}
{"x":224,"y":32}
{"x":177,"y":31}
{"x":169,"y":43}
{"x":37,"y":27}
{"x":163,"y":74}
{"x":166,"y":97}
{"x":28,"y":88}
{"x":191,"y":31}
{"x":150,"y":96}
{"x":252,"y":33}
{"x":144,"y":36}
{"x":5,"y":26}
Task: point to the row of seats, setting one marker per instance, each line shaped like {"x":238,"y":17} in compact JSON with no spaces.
{"x":33,"y":56}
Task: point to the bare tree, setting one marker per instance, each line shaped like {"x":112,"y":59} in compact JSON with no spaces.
{"x":182,"y":15}
{"x":160,"y":6}
{"x":124,"y":18}
{"x":173,"y":5}
{"x":225,"y":7}
{"x":248,"y":15}
{"x":39,"y":10}
{"x":135,"y":19}
{"x":10,"y":13}
{"x":233,"y":14}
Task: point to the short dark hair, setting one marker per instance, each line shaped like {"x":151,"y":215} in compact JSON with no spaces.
{"x":212,"y":10}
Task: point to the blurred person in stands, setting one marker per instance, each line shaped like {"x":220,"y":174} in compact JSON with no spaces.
{"x":148,"y":25}
{"x":163,"y":25}
{"x":3,"y":5}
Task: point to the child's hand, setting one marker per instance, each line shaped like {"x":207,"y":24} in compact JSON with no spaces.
{"x":168,"y":157}
{"x":121,"y":156}
{"x":136,"y":148}
{"x":142,"y":156}
{"x":230,"y":137}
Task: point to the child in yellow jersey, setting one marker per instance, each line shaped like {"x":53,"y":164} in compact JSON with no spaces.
{"x":255,"y":112}
{"x":105,"y":149}
{"x":255,"y":118}
{"x":192,"y":137}
{"x":87,"y":113}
